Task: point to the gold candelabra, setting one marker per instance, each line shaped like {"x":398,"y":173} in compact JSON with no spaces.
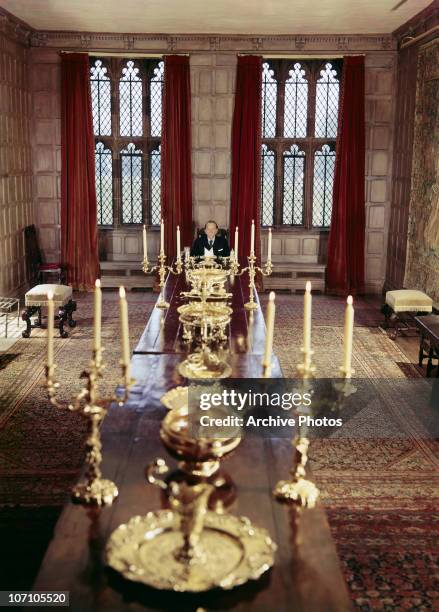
{"x":266,"y":270}
{"x":162,"y":268}
{"x":299,"y":488}
{"x":94,"y":490}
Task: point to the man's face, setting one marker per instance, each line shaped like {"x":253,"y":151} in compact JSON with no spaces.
{"x":211,"y":230}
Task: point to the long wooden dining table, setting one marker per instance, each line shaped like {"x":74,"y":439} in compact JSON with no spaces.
{"x":306,"y":575}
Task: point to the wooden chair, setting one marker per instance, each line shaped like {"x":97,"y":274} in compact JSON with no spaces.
{"x":36,"y":268}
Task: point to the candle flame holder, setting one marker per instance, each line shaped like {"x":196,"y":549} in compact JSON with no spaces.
{"x":266,"y":270}
{"x":94,"y":490}
{"x":299,"y":488}
{"x":162,"y":268}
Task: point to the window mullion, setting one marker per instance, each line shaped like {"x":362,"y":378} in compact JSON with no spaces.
{"x":280,"y":109}
{"x":309,"y":164}
{"x":278,"y":185}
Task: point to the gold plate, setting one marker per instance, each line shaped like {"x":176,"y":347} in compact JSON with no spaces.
{"x":232,"y":551}
{"x":192,"y":370}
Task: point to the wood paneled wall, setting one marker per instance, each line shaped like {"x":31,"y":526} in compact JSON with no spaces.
{"x":16,"y":193}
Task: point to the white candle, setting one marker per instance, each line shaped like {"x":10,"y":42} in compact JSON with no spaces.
{"x":145,"y":245}
{"x":307,"y":304}
{"x":348,"y":336}
{"x":252,"y":242}
{"x":124,"y":330}
{"x":236,"y":243}
{"x":178,"y":244}
{"x":162,"y":238}
{"x":269,"y":245}
{"x":97,"y":315}
{"x":50,"y":326}
{"x":271,"y":311}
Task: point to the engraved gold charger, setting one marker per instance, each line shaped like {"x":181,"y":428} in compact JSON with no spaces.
{"x":231,"y":552}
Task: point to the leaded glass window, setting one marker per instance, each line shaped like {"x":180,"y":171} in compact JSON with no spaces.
{"x":327,"y":103}
{"x":127,"y":119}
{"x":269,"y":97}
{"x":324,"y":166}
{"x":104,"y":184}
{"x":101,"y":99}
{"x":156,"y":89}
{"x":132,"y":184}
{"x":267,"y":185}
{"x":130,"y":100}
{"x":293,"y":186}
{"x":296,"y":103}
{"x":156,"y":184}
{"x":300,"y":100}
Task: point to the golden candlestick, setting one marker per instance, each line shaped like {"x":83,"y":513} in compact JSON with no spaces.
{"x":162,"y":268}
{"x":266,"y":270}
{"x":94,"y":490}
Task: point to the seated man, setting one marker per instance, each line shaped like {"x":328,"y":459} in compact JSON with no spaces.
{"x":209,"y":244}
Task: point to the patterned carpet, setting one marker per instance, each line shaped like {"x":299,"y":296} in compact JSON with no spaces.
{"x":381,"y":496}
{"x":41,"y":447}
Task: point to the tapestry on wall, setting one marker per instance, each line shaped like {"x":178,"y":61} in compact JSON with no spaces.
{"x":422,"y":269}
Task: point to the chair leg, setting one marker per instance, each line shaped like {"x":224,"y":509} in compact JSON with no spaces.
{"x":26,"y":316}
{"x":71,"y":308}
{"x":62,"y":318}
{"x":65,"y":315}
{"x":387,"y":312}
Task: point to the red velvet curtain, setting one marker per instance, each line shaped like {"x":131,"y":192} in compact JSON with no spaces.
{"x":176,"y":154}
{"x":79,"y":242}
{"x":246,"y":154}
{"x":345,"y":270}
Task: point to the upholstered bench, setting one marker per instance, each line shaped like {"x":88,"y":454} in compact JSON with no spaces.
{"x":37,"y":297}
{"x":402,"y":306}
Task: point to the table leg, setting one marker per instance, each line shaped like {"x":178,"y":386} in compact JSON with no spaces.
{"x":6,"y":325}
{"x":421,"y":350}
{"x":430,"y":362}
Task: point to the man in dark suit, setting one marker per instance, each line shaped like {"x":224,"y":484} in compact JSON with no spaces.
{"x":210,"y":243}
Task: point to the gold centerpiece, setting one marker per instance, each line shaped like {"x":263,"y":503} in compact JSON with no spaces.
{"x":198,"y":455}
{"x":189,"y":548}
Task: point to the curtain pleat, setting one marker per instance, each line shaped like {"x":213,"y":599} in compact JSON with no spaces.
{"x":246,"y":154}
{"x":176,"y":190}
{"x":345,"y":268}
{"x":79,"y":240}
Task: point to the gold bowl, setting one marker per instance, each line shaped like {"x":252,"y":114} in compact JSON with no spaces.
{"x":198,"y":456}
{"x":198,"y":312}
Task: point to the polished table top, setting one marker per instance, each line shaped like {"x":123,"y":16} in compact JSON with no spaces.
{"x":306,"y":576}
{"x":163,"y":331}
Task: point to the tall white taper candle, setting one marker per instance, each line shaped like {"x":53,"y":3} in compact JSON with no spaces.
{"x":124,"y":329}
{"x":178,"y":244}
{"x":269,"y":245}
{"x":97,"y":315}
{"x":162,"y":238}
{"x":307,"y":305}
{"x":145,"y":244}
{"x":252,"y":239}
{"x":271,"y":311}
{"x":348,"y":337}
{"x":50,"y":326}
{"x":236,"y":243}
